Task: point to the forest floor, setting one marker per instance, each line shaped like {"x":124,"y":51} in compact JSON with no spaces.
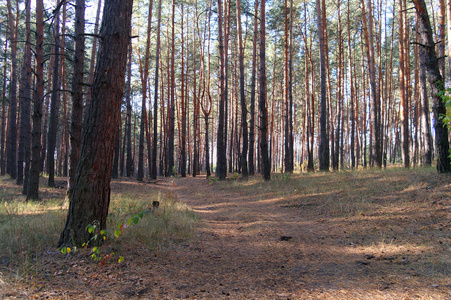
{"x":348,"y":235}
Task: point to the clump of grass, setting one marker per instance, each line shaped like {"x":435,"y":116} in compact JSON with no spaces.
{"x":170,"y":223}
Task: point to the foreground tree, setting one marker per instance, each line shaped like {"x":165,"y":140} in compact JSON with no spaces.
{"x":437,"y":87}
{"x":90,"y":196}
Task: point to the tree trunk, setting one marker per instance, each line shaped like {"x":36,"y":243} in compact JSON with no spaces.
{"x":290,"y":93}
{"x":221,"y":168}
{"x":448,"y":15}
{"x":243,"y":158}
{"x":441,"y":37}
{"x":128,"y":118}
{"x":55,"y":104}
{"x":324,"y":138}
{"x":11,"y":146}
{"x":77,"y":91}
{"x":425,"y":114}
{"x":33,"y":183}
{"x":3,"y":128}
{"x":437,"y":86}
{"x":114,"y":172}
{"x":183,"y":105}
{"x":90,"y":196}
{"x":375,"y":108}
{"x":403,"y":89}
{"x":64,"y":131}
{"x":266,"y":164}
{"x":25,"y":106}
{"x":155,"y":103}
{"x":144,"y":75}
{"x":253,"y":88}
{"x":93,"y":52}
{"x":171,"y":107}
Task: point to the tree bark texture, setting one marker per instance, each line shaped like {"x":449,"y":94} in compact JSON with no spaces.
{"x":54,"y":106}
{"x":266,"y":164}
{"x":243,"y":159}
{"x":23,"y":162}
{"x":11,"y":146}
{"x":324,"y":138}
{"x":437,"y":86}
{"x":77,"y":91}
{"x":221,"y":168}
{"x":33,"y":182}
{"x":90,"y":197}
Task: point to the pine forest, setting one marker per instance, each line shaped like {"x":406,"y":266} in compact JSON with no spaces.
{"x":101,"y":94}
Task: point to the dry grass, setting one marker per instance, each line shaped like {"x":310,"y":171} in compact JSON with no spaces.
{"x":30,"y":230}
{"x":396,"y":215}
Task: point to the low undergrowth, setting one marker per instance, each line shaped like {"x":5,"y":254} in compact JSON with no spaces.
{"x":30,"y":230}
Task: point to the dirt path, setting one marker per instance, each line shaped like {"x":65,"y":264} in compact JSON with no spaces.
{"x":256,"y":248}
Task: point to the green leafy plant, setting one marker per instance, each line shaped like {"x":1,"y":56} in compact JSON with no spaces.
{"x":96,"y":233}
{"x":235,"y":176}
{"x":212,"y":180}
{"x":445,"y":94}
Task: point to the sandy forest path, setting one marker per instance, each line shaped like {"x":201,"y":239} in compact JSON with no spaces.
{"x":257,"y":247}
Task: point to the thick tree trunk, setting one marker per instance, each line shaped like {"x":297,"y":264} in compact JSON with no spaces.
{"x":55,"y":104}
{"x":25,"y":106}
{"x":90,"y":197}
{"x":77,"y":91}
{"x":266,"y":164}
{"x":33,"y":182}
{"x":324,"y":138}
{"x":183,"y":106}
{"x":290,"y":93}
{"x":64,"y":131}
{"x":221,"y":168}
{"x":437,"y":86}
{"x":11,"y":146}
